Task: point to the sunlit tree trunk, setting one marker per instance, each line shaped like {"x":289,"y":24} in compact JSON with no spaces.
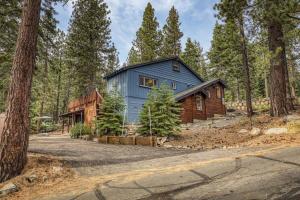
{"x":15,"y":133}
{"x":246,"y":68}
{"x":277,"y":69}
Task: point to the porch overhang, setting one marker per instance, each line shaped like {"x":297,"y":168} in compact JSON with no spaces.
{"x":69,"y":114}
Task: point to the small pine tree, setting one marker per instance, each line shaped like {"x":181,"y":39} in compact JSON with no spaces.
{"x":164,"y":113}
{"x":112,"y":114}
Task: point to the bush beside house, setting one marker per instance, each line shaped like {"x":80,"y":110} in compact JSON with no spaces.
{"x":164,"y":113}
{"x":111,"y":120}
{"x":80,"y":129}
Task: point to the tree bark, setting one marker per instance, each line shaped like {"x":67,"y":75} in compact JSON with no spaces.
{"x":293,"y":82}
{"x":15,"y":133}
{"x":58,"y":92}
{"x":266,"y":85}
{"x":246,"y":68}
{"x":277,"y":69}
{"x":238,"y":94}
{"x":289,"y":100}
{"x":45,"y":84}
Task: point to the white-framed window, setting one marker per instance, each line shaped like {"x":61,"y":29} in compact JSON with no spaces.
{"x":208,"y":94}
{"x":219,"y":93}
{"x":176,"y":66}
{"x":147,"y":81}
{"x":199,"y":102}
{"x":173,"y":85}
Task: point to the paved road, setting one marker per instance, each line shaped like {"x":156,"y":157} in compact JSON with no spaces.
{"x":229,"y":174}
{"x":87,"y":156}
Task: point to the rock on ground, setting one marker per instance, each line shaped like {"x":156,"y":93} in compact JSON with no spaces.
{"x":243,"y":131}
{"x":276,"y":131}
{"x":8,"y":189}
{"x":255,"y":131}
{"x":294,"y":126}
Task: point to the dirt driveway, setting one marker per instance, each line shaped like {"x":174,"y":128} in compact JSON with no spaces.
{"x":86,"y":156}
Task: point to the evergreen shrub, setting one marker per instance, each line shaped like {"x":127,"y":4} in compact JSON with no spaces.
{"x":111,"y":120}
{"x":80,"y":129}
{"x":164,"y":113}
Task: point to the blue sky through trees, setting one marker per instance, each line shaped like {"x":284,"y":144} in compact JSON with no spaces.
{"x":196,"y":16}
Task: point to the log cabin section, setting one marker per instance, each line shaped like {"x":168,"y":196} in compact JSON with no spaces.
{"x":202,"y":101}
{"x":83,"y":110}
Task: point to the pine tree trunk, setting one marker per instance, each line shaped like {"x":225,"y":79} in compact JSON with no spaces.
{"x":289,"y":101}
{"x":277,"y":69}
{"x":293,"y":83}
{"x":67,"y":96}
{"x":238,"y":94}
{"x":45,"y":83}
{"x":15,"y":133}
{"x":266,"y":85}
{"x":246,"y":68}
{"x":58,"y":95}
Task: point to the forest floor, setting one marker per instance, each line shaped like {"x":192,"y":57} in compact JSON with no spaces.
{"x":40,"y":174}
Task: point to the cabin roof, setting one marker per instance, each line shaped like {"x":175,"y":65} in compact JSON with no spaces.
{"x":198,"y":88}
{"x":175,"y":58}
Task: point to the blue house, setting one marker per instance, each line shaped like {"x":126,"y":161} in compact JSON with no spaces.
{"x":135,"y":81}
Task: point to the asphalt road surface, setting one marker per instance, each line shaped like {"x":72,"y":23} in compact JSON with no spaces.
{"x":133,"y":173}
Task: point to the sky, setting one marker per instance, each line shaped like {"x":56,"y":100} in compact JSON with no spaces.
{"x":196,"y":16}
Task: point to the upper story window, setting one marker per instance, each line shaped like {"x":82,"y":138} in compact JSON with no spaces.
{"x":208,"y":94}
{"x":176,"y":66}
{"x":219,"y":93}
{"x":199,"y":104}
{"x":173,"y":85}
{"x":147,"y":81}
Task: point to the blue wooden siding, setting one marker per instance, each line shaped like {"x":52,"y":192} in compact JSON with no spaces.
{"x":120,"y":82}
{"x":134,"y":95}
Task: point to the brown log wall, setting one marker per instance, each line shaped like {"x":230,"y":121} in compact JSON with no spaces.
{"x":189,"y":110}
{"x":214,"y":105}
{"x":89,"y":104}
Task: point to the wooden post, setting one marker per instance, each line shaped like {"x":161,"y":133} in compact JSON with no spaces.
{"x":63,"y":126}
{"x":151,"y":141}
{"x":68,"y":124}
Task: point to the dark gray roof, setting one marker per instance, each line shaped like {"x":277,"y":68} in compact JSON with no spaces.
{"x":198,"y":88}
{"x":175,"y":58}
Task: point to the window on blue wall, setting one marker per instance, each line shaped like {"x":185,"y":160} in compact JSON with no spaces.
{"x":173,"y":85}
{"x":176,"y":66}
{"x":147,"y":81}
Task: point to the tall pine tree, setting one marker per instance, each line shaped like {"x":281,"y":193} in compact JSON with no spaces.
{"x":10,"y":12}
{"x":193,"y":56}
{"x":233,"y":11}
{"x":172,"y":35}
{"x":225,"y":59}
{"x":133,"y":57}
{"x":148,"y":38}
{"x":88,"y":43}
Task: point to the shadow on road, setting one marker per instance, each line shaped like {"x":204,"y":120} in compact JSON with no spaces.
{"x":277,"y":160}
{"x":168,"y":195}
